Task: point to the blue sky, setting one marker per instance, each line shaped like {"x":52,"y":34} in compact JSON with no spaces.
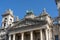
{"x":20,"y":6}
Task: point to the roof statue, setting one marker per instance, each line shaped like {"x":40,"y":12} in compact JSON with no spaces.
{"x":29,"y":12}
{"x":43,"y":12}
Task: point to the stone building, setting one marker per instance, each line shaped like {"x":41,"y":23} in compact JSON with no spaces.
{"x":31,"y":27}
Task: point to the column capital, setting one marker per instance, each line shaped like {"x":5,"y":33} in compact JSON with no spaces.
{"x":46,"y":29}
{"x":22,"y":32}
{"x":9,"y":34}
{"x":40,"y":29}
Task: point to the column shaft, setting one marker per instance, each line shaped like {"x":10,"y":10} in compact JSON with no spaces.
{"x":13,"y":36}
{"x":41,"y":36}
{"x":9,"y":37}
{"x":31,"y":35}
{"x":47,"y":36}
{"x":22,"y":36}
{"x":50,"y":35}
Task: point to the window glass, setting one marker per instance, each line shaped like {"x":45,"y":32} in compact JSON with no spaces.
{"x":56,"y":37}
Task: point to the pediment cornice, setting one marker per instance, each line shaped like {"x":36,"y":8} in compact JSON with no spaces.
{"x":28,"y":22}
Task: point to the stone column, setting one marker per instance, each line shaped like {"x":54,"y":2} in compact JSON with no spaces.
{"x":47,"y":36}
{"x":22,"y":36}
{"x":41,"y":36}
{"x":31,"y":35}
{"x":50,"y":34}
{"x":9,"y":37}
{"x":13,"y":36}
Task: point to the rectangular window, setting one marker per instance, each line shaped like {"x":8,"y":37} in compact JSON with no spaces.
{"x":56,"y":37}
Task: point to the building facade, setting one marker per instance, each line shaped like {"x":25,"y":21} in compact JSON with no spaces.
{"x":31,"y":27}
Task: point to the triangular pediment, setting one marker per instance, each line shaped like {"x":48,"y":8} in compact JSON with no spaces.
{"x":27,"y":22}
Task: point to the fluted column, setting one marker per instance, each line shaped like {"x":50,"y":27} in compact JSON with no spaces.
{"x":31,"y":35}
{"x":13,"y":36}
{"x":22,"y":36}
{"x":47,"y":35}
{"x":41,"y":36}
{"x":9,"y":37}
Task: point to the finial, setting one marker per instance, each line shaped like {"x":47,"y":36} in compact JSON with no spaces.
{"x":44,"y":10}
{"x":27,"y":11}
{"x":9,"y":11}
{"x":17,"y":18}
